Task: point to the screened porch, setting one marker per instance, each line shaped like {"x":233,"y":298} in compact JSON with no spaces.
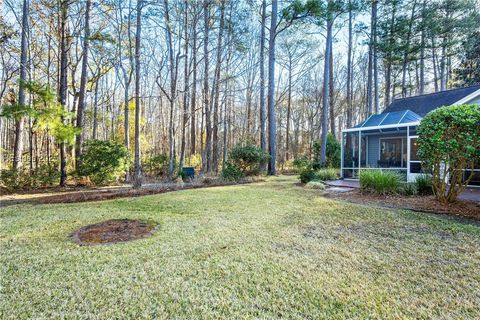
{"x":383,"y":141}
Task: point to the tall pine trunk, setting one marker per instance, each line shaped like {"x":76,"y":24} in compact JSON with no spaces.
{"x":137,"y":162}
{"x":326,"y":80}
{"x":83,"y":86}
{"x":272,"y":125}
{"x":216,"y":87}
{"x":63,"y":87}
{"x":207,"y":153}
{"x":20,"y":123}
{"x":185,"y":91}
{"x":349,"y":66}
{"x":263,"y":140}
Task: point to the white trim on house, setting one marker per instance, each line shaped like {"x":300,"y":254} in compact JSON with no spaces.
{"x":387,"y":126}
{"x":468,"y":98}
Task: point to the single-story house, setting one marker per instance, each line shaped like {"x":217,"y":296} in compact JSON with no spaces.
{"x":387,"y":141}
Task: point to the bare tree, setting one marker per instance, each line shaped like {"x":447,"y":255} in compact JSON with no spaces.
{"x":137,"y":162}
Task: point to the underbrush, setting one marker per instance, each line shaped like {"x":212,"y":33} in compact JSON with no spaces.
{"x":46,"y":175}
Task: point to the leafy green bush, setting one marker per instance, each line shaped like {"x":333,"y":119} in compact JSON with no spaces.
{"x":15,"y":180}
{"x":326,"y":174}
{"x":300,"y":163}
{"x":317,"y":185}
{"x":306,"y":174}
{"x":248,"y":158}
{"x":333,"y":153}
{"x":449,"y":142}
{"x":424,"y":184}
{"x":156,"y":165}
{"x":231,"y":172}
{"x":103,"y":161}
{"x":380,"y":181}
{"x":45,"y":175}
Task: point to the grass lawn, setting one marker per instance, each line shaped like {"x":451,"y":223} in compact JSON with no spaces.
{"x":265,"y":250}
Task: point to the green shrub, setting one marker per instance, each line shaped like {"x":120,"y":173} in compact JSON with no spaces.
{"x":315,"y":185}
{"x":380,"y":181}
{"x":409,"y":189}
{"x":156,"y":165}
{"x":333,"y":153}
{"x":326,"y":174}
{"x":248,"y":158}
{"x":15,"y":180}
{"x":449,"y":142}
{"x":231,"y":172}
{"x":103,"y":161}
{"x":424,"y":184}
{"x":45,"y":175}
{"x":306,"y":174}
{"x":300,"y":163}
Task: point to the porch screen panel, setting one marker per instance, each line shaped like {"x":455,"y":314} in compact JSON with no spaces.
{"x":350,"y":150}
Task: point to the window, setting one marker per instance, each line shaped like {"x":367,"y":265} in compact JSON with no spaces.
{"x":392,"y":153}
{"x":414,"y":150}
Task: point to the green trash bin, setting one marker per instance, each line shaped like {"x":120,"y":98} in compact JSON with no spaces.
{"x":188,"y":173}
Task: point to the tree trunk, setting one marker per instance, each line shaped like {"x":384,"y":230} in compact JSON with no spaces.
{"x":370,"y":60}
{"x":289,"y":109}
{"x":421,"y":88}
{"x":375,"y":60}
{"x":185,"y":92}
{"x":207,"y":159}
{"x":331,"y":91}
{"x":20,"y":123}
{"x":63,"y":84}
{"x":83,"y":86}
{"x":138,"y":166}
{"x":407,"y":51}
{"x":349,"y":66}
{"x":194,"y":87}
{"x":217,"y":87}
{"x":326,"y":79}
{"x":95,"y":111}
{"x":272,"y":126}
{"x":263,"y":140}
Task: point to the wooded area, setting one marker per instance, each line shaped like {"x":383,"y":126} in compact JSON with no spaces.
{"x":191,"y":79}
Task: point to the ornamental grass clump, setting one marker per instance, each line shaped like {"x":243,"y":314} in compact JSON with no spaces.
{"x":380,"y":181}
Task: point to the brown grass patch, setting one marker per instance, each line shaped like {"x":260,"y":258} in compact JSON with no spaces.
{"x":113,"y":231}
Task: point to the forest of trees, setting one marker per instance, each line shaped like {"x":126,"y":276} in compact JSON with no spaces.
{"x":190,"y":79}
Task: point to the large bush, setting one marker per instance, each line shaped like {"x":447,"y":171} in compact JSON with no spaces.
{"x":45,"y":175}
{"x":380,"y":181}
{"x":103,"y":161}
{"x":248,"y":158}
{"x":156,"y":165}
{"x":333,"y":153}
{"x":449,"y":142}
{"x":231,"y":172}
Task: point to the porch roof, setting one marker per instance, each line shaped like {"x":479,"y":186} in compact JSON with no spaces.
{"x":389,"y":119}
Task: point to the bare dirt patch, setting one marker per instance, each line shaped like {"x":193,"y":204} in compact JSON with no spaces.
{"x":113,"y":231}
{"x":470,"y":209}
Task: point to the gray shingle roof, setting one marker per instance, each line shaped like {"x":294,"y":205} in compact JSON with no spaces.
{"x":425,"y":103}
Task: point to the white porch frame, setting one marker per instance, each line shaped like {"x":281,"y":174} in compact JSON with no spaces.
{"x":363,"y":129}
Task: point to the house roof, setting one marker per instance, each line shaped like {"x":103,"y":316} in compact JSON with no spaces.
{"x":389,"y":118}
{"x":423,"y":104}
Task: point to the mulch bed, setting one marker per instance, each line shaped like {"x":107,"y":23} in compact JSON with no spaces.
{"x":470,"y":209}
{"x":88,"y":195}
{"x":113,"y":231}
